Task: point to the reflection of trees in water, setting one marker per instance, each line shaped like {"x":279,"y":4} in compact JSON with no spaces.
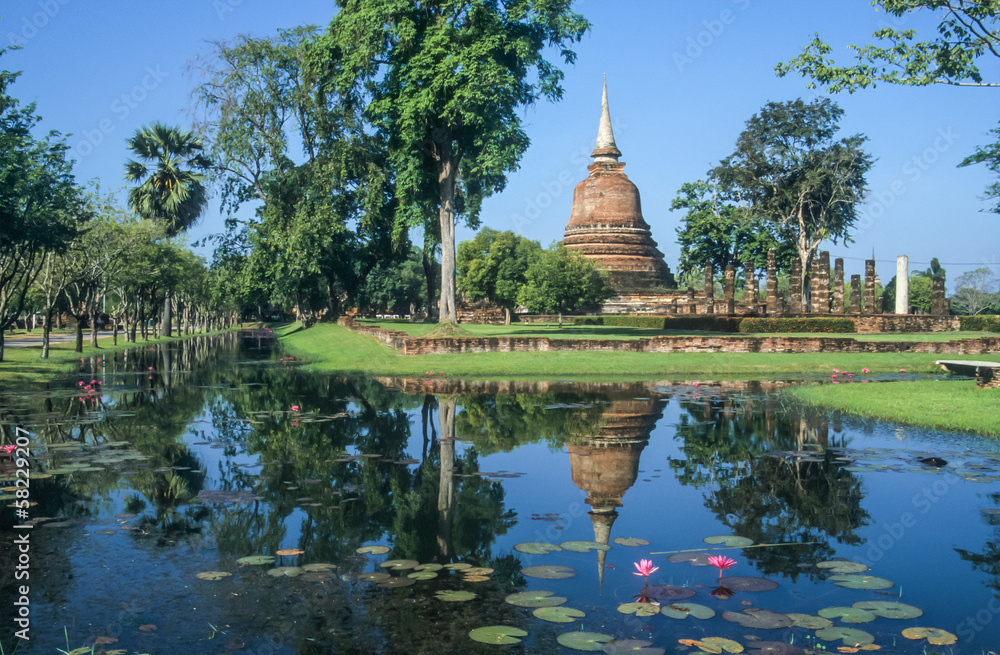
{"x":987,"y":561}
{"x":771,"y":499}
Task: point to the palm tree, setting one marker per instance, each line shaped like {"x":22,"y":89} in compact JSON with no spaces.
{"x":170,"y":177}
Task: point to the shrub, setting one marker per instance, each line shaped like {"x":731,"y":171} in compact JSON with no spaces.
{"x":645,"y":321}
{"x":784,"y":325}
{"x":706,"y":322}
{"x":981,"y":322}
{"x":588,"y":320}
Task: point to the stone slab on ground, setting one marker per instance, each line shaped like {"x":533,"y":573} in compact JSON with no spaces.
{"x":987,"y":374}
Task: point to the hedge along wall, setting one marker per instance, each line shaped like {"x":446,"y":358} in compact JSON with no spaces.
{"x":981,"y":322}
{"x":407,"y":345}
{"x":785,"y":325}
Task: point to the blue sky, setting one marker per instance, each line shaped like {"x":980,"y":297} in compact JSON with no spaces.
{"x":683,"y":77}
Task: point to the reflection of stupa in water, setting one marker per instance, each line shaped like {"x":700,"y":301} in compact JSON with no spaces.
{"x":605,"y":466}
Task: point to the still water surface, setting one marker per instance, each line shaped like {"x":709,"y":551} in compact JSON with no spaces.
{"x":184,"y":460}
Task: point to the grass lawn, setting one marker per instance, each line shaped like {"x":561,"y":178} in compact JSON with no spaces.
{"x":945,"y":404}
{"x":332,"y":348}
{"x":568,"y":331}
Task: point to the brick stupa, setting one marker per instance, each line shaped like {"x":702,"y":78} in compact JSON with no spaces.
{"x":606,"y":222}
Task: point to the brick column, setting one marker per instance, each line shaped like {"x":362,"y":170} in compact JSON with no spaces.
{"x":774,"y":304}
{"x":795,"y":288}
{"x":855,"y":294}
{"x":821,"y":299}
{"x":692,"y":304}
{"x":838,"y":286}
{"x":869,"y":301}
{"x":729,"y":289}
{"x":939,"y":306}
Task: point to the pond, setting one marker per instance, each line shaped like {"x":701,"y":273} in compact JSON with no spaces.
{"x":211,"y":497}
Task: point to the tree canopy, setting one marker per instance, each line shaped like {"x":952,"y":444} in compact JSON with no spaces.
{"x":442,"y":83}
{"x":493,"y":267}
{"x":968,"y":31}
{"x":563,"y":280}
{"x":792,"y":170}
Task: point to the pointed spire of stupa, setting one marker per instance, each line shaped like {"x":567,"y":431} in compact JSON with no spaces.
{"x":606,"y":149}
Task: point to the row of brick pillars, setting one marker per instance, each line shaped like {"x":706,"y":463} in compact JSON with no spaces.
{"x":862,"y":301}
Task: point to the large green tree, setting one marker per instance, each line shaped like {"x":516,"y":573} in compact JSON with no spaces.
{"x":41,"y":206}
{"x":721,"y":230}
{"x":560,"y":279}
{"x":301,"y":159}
{"x":968,"y":31}
{"x":442,"y":82}
{"x":493,"y":266}
{"x":968,"y":38}
{"x":791,"y":169}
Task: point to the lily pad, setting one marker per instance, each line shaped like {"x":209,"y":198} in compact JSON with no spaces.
{"x":377,"y":576}
{"x":591,"y":641}
{"x":393,"y":583}
{"x":888,"y":609}
{"x":255,"y":560}
{"x":475,"y":578}
{"x":639,"y":609}
{"x":934,"y":636}
{"x":536,"y":548}
{"x":289,"y":571}
{"x":212,"y":575}
{"x":558,"y":614}
{"x":498,"y":634}
{"x":477,"y":570}
{"x":809,"y":622}
{"x":458,"y":566}
{"x":684,"y":610}
{"x":549,"y":571}
{"x":692,"y":558}
{"x":290,"y":551}
{"x":631,"y":647}
{"x":422,"y":575}
{"x":847,"y":614}
{"x":747,"y":583}
{"x":399,"y":564}
{"x":850,"y":636}
{"x":843,"y":566}
{"x":858,"y":581}
{"x":760,"y":619}
{"x":534,"y":599}
{"x":373,"y":550}
{"x":719,"y":644}
{"x":428,"y":567}
{"x":729,"y":541}
{"x":319,"y":567}
{"x":583,"y":546}
{"x":632,"y":542}
{"x":452,"y":596}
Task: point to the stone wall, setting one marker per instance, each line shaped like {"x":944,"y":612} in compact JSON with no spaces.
{"x":671,"y":344}
{"x":895,"y":323}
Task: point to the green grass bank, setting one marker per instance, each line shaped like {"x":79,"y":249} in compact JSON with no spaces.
{"x":943,"y":404}
{"x":332,"y":348}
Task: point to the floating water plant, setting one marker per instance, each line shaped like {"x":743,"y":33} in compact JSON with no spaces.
{"x":856,"y":581}
{"x":558,"y":614}
{"x":630,"y":541}
{"x":684,"y":610}
{"x":255,"y":560}
{"x":631,"y":647}
{"x":212,"y":575}
{"x":639,"y":609}
{"x":762,"y":619}
{"x":848,"y":614}
{"x":889,"y":609}
{"x":587,"y":641}
{"x":934,"y":636}
{"x":583,"y":546}
{"x":534,"y":599}
{"x":549,"y":571}
{"x":498,"y":634}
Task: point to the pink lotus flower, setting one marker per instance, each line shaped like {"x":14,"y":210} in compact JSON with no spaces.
{"x":646,"y":568}
{"x":9,"y":448}
{"x":721,"y":562}
{"x":850,"y":375}
{"x":836,"y":371}
{"x":295,"y":408}
{"x":834,"y":376}
{"x":696,"y":384}
{"x":80,"y":383}
{"x":150,"y":368}
{"x":902,"y":370}
{"x":864,"y":370}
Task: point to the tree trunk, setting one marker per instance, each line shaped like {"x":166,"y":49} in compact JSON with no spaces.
{"x":114,"y":331}
{"x":506,"y":315}
{"x":46,"y":330}
{"x":446,"y":480}
{"x":1,"y":345}
{"x":447,"y":173}
{"x":93,"y":329}
{"x":166,"y":314}
{"x":430,"y":276}
{"x":79,"y":333}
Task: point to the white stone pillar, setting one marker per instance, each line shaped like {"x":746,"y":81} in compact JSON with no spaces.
{"x":902,"y":284}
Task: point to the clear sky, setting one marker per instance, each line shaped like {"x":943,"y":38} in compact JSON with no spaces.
{"x":683,"y":77}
